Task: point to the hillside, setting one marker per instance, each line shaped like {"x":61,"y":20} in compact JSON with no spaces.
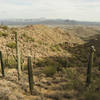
{"x":84,"y":32}
{"x":42,"y":40}
{"x":59,"y":60}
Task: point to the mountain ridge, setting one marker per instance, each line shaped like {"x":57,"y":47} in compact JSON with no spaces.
{"x":47,"y":22}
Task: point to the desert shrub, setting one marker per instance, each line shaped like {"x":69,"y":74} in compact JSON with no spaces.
{"x":74,"y":79}
{"x":10,"y":63}
{"x":93,"y":91}
{"x":11,"y":45}
{"x":4,"y":27}
{"x":5,"y":34}
{"x":75,"y":84}
{"x":50,"y":70}
{"x":55,"y":48}
{"x":62,"y":61}
{"x":72,"y":62}
{"x":94,"y":86}
{"x":71,"y":73}
{"x":46,"y":62}
{"x":28,"y":38}
{"x":6,"y":62}
{"x":40,"y":63}
{"x":56,"y":62}
{"x":50,"y":67}
{"x":0,"y":33}
{"x":92,"y":96}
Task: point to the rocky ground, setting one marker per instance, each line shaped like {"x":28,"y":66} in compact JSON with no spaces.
{"x":67,"y":85}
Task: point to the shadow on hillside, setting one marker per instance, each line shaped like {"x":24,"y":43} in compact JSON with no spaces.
{"x":80,"y":55}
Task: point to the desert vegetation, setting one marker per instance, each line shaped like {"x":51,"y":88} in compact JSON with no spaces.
{"x":39,"y":62}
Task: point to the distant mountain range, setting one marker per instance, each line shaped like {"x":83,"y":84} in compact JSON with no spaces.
{"x":46,"y":22}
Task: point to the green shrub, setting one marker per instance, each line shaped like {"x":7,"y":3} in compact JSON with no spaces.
{"x":55,"y":48}
{"x":71,"y":73}
{"x":11,"y":45}
{"x":5,"y":34}
{"x":50,"y":70}
{"x":92,"y":96}
{"x":11,"y":62}
{"x":62,"y":61}
{"x":5,"y":27}
{"x":46,"y":62}
{"x":95,"y":85}
{"x":0,"y":33}
{"x":49,"y":62}
{"x":74,"y":79}
{"x":93,"y":91}
{"x":75,"y":84}
{"x":28,"y":38}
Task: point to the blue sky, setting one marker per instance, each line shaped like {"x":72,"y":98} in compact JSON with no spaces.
{"x":85,"y":10}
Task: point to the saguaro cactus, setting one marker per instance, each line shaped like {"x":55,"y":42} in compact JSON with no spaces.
{"x":7,"y":57}
{"x":18,"y":55}
{"x":2,"y":64}
{"x":30,"y":74}
{"x":90,"y":64}
{"x":22,"y":61}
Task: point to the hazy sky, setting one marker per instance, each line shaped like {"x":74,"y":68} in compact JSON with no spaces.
{"x":86,"y":10}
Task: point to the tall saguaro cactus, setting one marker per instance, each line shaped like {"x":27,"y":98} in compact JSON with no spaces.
{"x":2,"y":64}
{"x":90,"y":64}
{"x":18,"y":56}
{"x":30,"y":74}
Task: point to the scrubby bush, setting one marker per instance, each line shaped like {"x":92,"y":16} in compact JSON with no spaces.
{"x":0,"y":33}
{"x":71,"y":73}
{"x":50,"y":66}
{"x":11,"y":45}
{"x":5,"y":27}
{"x":5,"y":34}
{"x":93,"y":91}
{"x":55,"y":48}
{"x":50,"y":70}
{"x":57,"y":62}
{"x":62,"y":61}
{"x":74,"y":79}
{"x":92,"y":96}
{"x":11,"y":62}
{"x":28,"y":38}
